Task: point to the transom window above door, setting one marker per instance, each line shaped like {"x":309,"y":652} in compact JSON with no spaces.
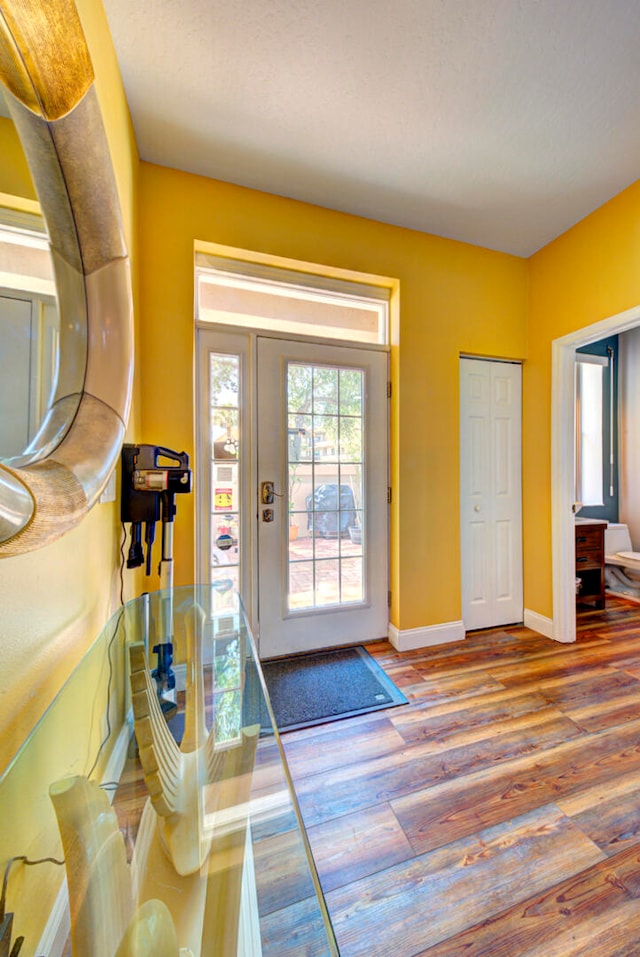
{"x":249,"y":295}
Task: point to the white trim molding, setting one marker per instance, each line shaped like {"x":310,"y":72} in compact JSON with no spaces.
{"x":56,"y":933}
{"x":563,"y":359}
{"x":412,"y":638}
{"x":539,"y":623}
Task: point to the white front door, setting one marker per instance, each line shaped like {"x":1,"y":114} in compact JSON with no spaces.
{"x":310,"y":558}
{"x":490,"y":493}
{"x":322,"y":543}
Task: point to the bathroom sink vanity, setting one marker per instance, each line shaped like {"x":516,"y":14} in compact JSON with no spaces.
{"x":589,"y":536}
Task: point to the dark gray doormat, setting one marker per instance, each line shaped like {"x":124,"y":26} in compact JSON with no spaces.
{"x":327,"y":685}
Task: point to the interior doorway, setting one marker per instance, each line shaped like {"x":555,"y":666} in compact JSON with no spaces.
{"x":563,"y":625}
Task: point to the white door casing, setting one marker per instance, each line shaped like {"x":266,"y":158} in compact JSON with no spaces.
{"x":490,"y":492}
{"x":563,"y":354}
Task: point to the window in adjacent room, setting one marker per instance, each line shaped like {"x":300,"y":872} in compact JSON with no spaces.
{"x":596,"y":430}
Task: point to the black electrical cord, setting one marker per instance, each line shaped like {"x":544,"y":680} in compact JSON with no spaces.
{"x":28,"y":863}
{"x":19,"y":941}
{"x":108,"y":718}
{"x":110,"y":785}
{"x":122,"y":562}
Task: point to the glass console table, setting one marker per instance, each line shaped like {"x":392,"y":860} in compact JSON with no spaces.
{"x":172,"y":806}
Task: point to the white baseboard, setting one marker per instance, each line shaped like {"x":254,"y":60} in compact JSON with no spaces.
{"x":412,"y":638}
{"x":55,"y":935}
{"x":249,"y":937}
{"x":58,"y":927}
{"x":622,"y":594}
{"x":539,"y":623}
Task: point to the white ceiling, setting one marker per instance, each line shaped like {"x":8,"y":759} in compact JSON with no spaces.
{"x":496,"y":122}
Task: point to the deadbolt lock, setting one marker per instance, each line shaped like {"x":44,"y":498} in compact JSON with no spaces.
{"x":267,"y":514}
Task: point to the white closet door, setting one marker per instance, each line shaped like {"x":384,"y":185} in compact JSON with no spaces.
{"x":491,"y":492}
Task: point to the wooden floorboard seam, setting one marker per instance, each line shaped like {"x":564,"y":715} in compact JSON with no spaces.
{"x":496,"y":814}
{"x":516,"y":788}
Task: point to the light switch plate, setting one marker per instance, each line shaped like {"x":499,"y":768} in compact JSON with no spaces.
{"x":108,"y":495}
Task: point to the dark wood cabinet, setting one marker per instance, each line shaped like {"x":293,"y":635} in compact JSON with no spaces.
{"x":590,"y":561}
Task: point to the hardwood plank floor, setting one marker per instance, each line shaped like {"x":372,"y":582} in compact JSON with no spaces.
{"x":496,"y":814}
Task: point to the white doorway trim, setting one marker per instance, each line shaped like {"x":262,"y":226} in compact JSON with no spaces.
{"x":563,"y":352}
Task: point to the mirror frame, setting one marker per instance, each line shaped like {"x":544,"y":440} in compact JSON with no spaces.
{"x":48,"y":77}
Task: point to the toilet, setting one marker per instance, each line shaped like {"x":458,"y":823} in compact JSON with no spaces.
{"x":622,"y":564}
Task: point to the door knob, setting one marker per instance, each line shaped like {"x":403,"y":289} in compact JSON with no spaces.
{"x":267,"y":493}
{"x":476,"y":508}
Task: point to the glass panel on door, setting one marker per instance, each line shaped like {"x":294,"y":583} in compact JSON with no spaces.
{"x":225,"y":526}
{"x":325,"y":418}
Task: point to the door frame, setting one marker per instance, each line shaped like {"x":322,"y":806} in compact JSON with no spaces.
{"x":249,"y":471}
{"x":563,"y":355}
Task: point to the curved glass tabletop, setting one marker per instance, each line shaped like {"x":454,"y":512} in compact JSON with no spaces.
{"x":158,"y":774}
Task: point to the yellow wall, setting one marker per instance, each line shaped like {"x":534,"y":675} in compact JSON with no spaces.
{"x":589,"y":273}
{"x":454,"y":298}
{"x":15,"y":178}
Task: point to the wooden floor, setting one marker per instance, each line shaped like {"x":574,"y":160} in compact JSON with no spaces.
{"x":498,"y":813}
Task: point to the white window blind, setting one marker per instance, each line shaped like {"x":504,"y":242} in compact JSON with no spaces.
{"x":253,"y":296}
{"x":589,"y":429}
